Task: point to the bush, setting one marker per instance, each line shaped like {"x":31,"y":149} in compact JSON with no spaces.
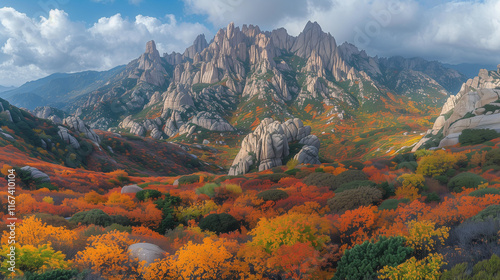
{"x":387,"y":189}
{"x":208,"y":189}
{"x":92,"y":217}
{"x":53,"y":220}
{"x":190,"y":179}
{"x":349,"y":176}
{"x":355,"y":184}
{"x":430,"y":197}
{"x":353,"y":165}
{"x":467,"y":180}
{"x":292,"y":163}
{"x":492,"y":158}
{"x":485,"y":191}
{"x":390,"y":204}
{"x":477,"y":136}
{"x":302,"y":174}
{"x":410,"y":165}
{"x":144,"y":195}
{"x":352,"y":199}
{"x":121,"y":220}
{"x":273,"y":195}
{"x":219,"y":223}
{"x":57,"y":274}
{"x":292,"y":172}
{"x":442,"y":179}
{"x":320,"y":179}
{"x":436,"y":164}
{"x":363,"y":261}
{"x":319,"y":169}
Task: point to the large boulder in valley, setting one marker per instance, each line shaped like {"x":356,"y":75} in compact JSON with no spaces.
{"x":131,"y":189}
{"x":267,"y":146}
{"x":145,"y":252}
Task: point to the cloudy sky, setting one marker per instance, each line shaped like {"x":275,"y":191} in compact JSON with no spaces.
{"x":40,"y":37}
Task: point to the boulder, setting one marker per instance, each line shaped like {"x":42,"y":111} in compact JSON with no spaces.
{"x":36,"y":174}
{"x":77,"y":125}
{"x":131,"y":189}
{"x":145,"y":252}
{"x":267,"y":145}
{"x":68,"y":138}
{"x":308,"y":155}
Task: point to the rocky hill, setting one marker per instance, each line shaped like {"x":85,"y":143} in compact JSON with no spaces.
{"x":273,"y":74}
{"x":476,"y":106}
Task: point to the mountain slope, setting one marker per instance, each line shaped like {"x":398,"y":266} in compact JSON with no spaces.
{"x":58,"y":90}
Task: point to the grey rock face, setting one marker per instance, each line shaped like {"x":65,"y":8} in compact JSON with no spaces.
{"x":211,"y":121}
{"x":68,"y":138}
{"x":268,"y":145}
{"x":311,"y":140}
{"x":145,"y":252}
{"x":36,"y":174}
{"x":308,"y":155}
{"x":131,"y":189}
{"x":466,"y":110}
{"x":150,"y":64}
{"x":79,"y":126}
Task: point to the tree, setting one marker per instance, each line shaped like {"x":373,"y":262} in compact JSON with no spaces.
{"x":108,"y":255}
{"x":424,"y":237}
{"x":428,"y":268}
{"x":477,"y":136}
{"x":465,"y":180}
{"x":94,"y":216}
{"x":31,"y":258}
{"x":436,"y":164}
{"x":148,"y":194}
{"x":363,"y":261}
{"x":354,"y":198}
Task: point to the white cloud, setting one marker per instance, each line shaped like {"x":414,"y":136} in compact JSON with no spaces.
{"x":33,"y":48}
{"x":451,"y":31}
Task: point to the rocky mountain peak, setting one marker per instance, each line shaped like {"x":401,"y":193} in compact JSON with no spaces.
{"x":199,"y":44}
{"x":151,"y":48}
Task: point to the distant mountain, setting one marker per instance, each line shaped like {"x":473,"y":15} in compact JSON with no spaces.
{"x":468,"y":69}
{"x":57,"y":90}
{"x":3,"y":88}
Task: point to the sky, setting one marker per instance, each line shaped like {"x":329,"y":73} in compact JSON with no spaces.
{"x":41,"y":37}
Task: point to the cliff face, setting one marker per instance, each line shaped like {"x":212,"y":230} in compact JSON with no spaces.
{"x":477,"y":105}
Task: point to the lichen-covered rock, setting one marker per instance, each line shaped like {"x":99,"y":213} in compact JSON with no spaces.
{"x":145,"y":252}
{"x":308,"y":155}
{"x":36,"y":174}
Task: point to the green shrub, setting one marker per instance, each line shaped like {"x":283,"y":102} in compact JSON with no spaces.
{"x":92,"y":217}
{"x":349,"y":176}
{"x":57,"y":274}
{"x":477,"y":136}
{"x":273,"y":195}
{"x":490,"y":212}
{"x":430,"y":197}
{"x":189,"y":179}
{"x":353,"y":165}
{"x":355,"y":184}
{"x":352,"y":199}
{"x":319,"y":170}
{"x":390,"y":204}
{"x":492,"y":158}
{"x":401,"y":158}
{"x":410,"y":165}
{"x":219,"y":223}
{"x":467,"y":180}
{"x":145,"y":195}
{"x":486,"y":269}
{"x":302,"y":174}
{"x":387,"y":189}
{"x":442,"y":179}
{"x":363,"y":261}
{"x":208,"y":189}
{"x":320,"y":180}
{"x":292,"y":172}
{"x":121,"y":220}
{"x":48,"y":186}
{"x":485,"y":191}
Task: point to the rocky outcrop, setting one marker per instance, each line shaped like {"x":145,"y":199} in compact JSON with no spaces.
{"x":199,"y":44}
{"x":267,"y":145}
{"x":150,"y":68}
{"x":77,"y":125}
{"x":211,"y":121}
{"x":68,"y":138}
{"x":53,"y":114}
{"x":145,"y":252}
{"x":36,"y":174}
{"x":474,"y":107}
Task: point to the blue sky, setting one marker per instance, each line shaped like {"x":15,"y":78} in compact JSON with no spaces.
{"x":41,"y":37}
